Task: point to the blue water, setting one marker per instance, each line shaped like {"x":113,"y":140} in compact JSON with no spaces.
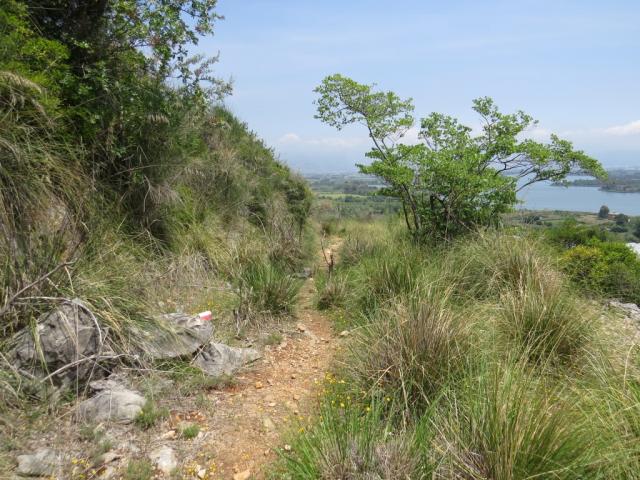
{"x":544,"y":196}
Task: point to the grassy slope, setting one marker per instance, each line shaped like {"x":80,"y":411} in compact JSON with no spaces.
{"x":474,"y":361}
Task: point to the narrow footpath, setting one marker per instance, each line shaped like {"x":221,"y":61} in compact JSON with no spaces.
{"x":278,"y":394}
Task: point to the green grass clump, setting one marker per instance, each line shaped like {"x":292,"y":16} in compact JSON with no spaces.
{"x":331,"y":291}
{"x":150,"y":415}
{"x":543,"y":319}
{"x":139,"y":469}
{"x":190,"y":432}
{"x":354,"y":441}
{"x":507,"y":423}
{"x":412,"y":350}
{"x":266,"y":289}
{"x":484,"y":265}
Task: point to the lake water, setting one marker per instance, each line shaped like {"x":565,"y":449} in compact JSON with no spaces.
{"x":544,"y":196}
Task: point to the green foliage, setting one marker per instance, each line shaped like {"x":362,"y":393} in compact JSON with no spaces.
{"x":190,"y":431}
{"x":542,"y":318}
{"x":511,"y":425}
{"x":266,"y":289}
{"x":570,"y":233}
{"x":487,"y":366}
{"x":109,"y":166}
{"x":451,"y":182}
{"x":150,"y":415}
{"x":603,"y":212}
{"x":139,"y":469}
{"x":332,"y":292}
{"x":412,"y":350}
{"x":355,"y":440}
{"x":605,"y":268}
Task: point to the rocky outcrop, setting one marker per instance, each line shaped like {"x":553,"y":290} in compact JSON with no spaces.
{"x":164,"y":459}
{"x":43,"y":463}
{"x":218,"y":359}
{"x":186,"y":334}
{"x":112,"y":402}
{"x":67,"y":339}
{"x":631,"y":310}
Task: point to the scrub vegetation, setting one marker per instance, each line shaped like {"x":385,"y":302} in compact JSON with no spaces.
{"x":126,"y":188}
{"x":475,"y":359}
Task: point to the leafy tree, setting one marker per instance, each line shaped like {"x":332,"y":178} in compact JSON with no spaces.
{"x":603,"y":212}
{"x":132,"y":84}
{"x":621,"y":219}
{"x":451,"y":181}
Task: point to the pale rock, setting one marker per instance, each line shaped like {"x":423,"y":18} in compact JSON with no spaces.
{"x":61,"y":337}
{"x":164,"y":458}
{"x":268,"y":424}
{"x":186,"y":334}
{"x":44,"y":462}
{"x":112,"y":402}
{"x":217,"y":359}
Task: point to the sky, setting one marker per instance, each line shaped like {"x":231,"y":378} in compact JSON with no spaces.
{"x":573,"y":65}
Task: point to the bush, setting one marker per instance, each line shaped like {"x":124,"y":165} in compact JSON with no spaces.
{"x":542,"y":319}
{"x":139,"y":470}
{"x":506,"y":424}
{"x":265,"y":289}
{"x":605,"y":268}
{"x":190,"y":432}
{"x":412,"y":350}
{"x":570,"y":234}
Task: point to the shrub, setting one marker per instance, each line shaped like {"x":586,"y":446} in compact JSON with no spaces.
{"x":505,"y":424}
{"x":267,"y":289}
{"x":570,"y":233}
{"x":412,"y":350}
{"x":139,"y":469}
{"x":190,"y":431}
{"x":541,"y":318}
{"x":605,"y":268}
{"x":603,"y":212}
{"x":150,"y":415}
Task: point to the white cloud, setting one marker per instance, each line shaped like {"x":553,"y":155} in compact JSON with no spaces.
{"x":631,"y":128}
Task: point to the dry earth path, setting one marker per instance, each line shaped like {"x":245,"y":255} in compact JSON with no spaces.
{"x":248,"y":422}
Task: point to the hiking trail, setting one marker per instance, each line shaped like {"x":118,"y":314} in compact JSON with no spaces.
{"x":277,"y":394}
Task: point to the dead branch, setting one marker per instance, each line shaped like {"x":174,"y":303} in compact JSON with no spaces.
{"x":44,"y":277}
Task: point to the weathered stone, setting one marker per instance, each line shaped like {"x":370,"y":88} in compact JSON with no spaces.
{"x":164,"y":458}
{"x":218,"y":359}
{"x":44,"y":462}
{"x":630,"y":309}
{"x":65,"y":336}
{"x":187,"y":333}
{"x":112,"y":402}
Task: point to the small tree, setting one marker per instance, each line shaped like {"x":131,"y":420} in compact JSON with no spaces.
{"x":621,"y":219}
{"x":604,"y":212}
{"x":450,"y":181}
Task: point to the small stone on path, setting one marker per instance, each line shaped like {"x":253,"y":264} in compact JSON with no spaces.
{"x":242,"y":475}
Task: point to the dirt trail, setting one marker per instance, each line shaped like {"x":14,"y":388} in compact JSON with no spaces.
{"x":278,"y":394}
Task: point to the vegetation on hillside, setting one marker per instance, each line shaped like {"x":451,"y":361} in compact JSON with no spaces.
{"x":124,"y":182}
{"x":475,"y":359}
